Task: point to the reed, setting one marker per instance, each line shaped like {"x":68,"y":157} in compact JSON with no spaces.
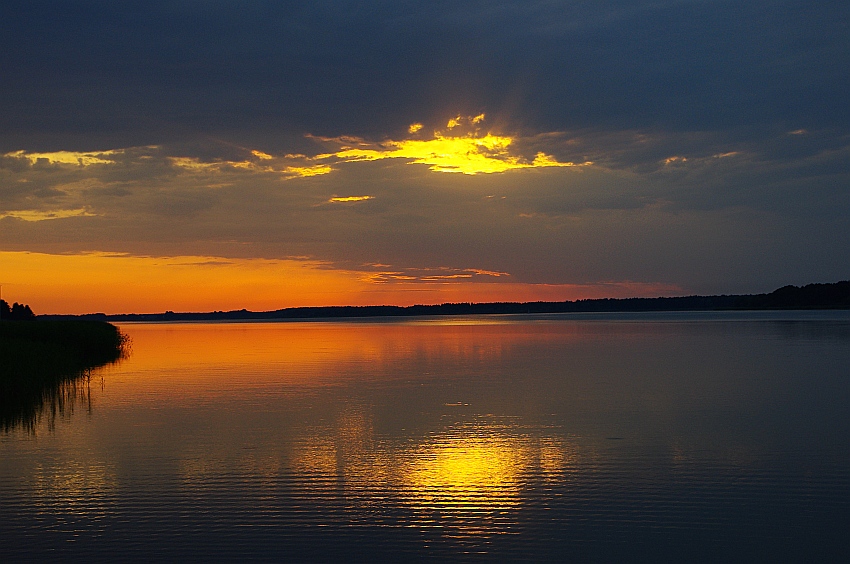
{"x":41,"y":363}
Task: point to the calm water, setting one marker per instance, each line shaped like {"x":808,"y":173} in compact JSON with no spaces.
{"x":614,"y":438}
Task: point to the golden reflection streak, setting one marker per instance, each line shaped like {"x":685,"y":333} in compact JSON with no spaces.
{"x":469,"y":473}
{"x":470,"y":478}
{"x":473,"y":476}
{"x":76,"y":488}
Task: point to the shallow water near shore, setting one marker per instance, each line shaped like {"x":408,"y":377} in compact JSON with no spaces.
{"x":633,"y":437}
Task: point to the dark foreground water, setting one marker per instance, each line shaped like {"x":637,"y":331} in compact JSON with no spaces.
{"x":689,"y":437}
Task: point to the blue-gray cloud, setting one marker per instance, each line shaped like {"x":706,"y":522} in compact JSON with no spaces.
{"x":145,"y":72}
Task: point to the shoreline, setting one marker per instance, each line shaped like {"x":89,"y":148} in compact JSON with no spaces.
{"x":835,"y":296}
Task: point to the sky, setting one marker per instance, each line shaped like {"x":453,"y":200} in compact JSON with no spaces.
{"x":213,"y":155}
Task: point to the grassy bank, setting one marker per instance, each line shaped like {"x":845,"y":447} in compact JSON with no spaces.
{"x":42,"y":360}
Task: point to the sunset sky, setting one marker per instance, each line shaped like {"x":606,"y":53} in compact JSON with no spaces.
{"x":201,"y":155}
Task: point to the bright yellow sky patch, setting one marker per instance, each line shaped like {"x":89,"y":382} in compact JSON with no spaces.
{"x":468,"y":154}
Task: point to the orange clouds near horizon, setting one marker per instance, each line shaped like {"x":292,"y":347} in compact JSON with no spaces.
{"x":119,"y":283}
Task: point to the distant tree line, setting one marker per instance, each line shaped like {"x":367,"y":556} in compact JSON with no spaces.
{"x":813,"y":296}
{"x":18,"y":312}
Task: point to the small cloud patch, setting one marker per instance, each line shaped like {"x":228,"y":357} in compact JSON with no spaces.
{"x":35,"y":215}
{"x":344,"y":199}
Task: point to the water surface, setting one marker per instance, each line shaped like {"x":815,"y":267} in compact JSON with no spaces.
{"x":550,"y":438}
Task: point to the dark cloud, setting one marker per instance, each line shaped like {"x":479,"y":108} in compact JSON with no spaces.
{"x":133,"y":73}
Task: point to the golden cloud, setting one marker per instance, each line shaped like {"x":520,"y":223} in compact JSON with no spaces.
{"x":464,"y":147}
{"x":302,"y":171}
{"x":440,"y":274}
{"x":34,"y":215}
{"x":337,"y":199}
{"x":68,"y":157}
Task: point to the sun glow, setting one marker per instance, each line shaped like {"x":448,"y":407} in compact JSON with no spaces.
{"x":470,"y":151}
{"x":468,"y":155}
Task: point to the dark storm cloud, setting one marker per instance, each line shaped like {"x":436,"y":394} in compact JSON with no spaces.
{"x":136,"y":73}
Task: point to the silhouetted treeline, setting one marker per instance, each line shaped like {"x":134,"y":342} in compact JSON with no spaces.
{"x":813,"y":296}
{"x":18,"y":312}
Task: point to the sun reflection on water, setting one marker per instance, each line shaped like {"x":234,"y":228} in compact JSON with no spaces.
{"x":78,"y":488}
{"x":470,"y":486}
{"x":468,"y":479}
{"x":472,"y":478}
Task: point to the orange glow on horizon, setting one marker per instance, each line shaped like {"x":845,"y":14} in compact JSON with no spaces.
{"x":117,"y":283}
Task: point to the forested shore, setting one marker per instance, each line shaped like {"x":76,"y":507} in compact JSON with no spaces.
{"x":813,"y":296}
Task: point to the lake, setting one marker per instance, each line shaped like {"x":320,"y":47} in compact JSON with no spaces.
{"x":689,"y":437}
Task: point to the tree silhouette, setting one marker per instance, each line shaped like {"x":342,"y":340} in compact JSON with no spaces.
{"x":18,"y":312}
